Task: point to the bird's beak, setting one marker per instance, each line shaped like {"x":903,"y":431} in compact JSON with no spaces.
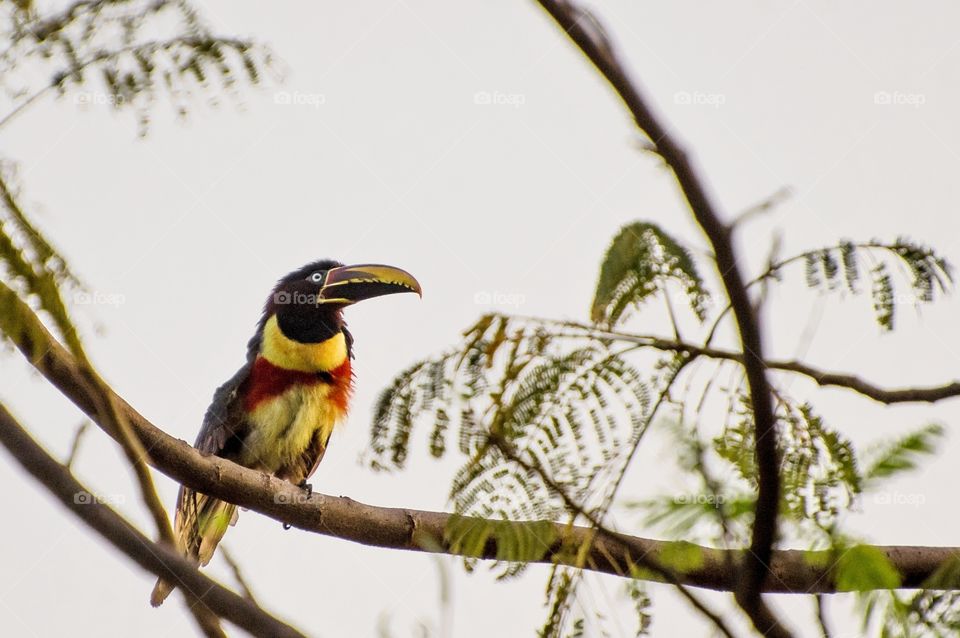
{"x":350,"y":284}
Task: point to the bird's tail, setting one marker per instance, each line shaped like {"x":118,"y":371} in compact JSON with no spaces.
{"x":199,"y":524}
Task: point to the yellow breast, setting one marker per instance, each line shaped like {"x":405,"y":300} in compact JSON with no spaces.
{"x":285,"y":425}
{"x":286,"y":353}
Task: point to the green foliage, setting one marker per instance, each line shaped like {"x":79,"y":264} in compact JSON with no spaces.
{"x":639,"y":263}
{"x":684,"y":515}
{"x":566,"y":408}
{"x":563,"y":408}
{"x":560,"y":588}
{"x":123,"y":54}
{"x":681,"y":556}
{"x":932,"y":611}
{"x":863,"y":568}
{"x":33,"y":268}
{"x":642,"y":604}
{"x":928,"y":613}
{"x":577,"y":629}
{"x":536,"y":408}
{"x":926,"y":273}
{"x":818,"y":465}
{"x":904,"y":454}
{"x":517,"y":542}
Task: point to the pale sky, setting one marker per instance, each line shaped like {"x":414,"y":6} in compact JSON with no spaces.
{"x":380,"y":147}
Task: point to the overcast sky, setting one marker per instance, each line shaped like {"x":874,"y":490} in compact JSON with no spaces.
{"x":470,"y":144}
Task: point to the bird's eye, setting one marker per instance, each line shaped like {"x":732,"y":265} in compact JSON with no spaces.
{"x":317,"y":277}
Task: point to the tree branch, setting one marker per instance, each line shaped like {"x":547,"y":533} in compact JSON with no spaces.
{"x":889,"y":396}
{"x":46,"y":288}
{"x":584,"y":31}
{"x":157,"y":558}
{"x":794,"y":571}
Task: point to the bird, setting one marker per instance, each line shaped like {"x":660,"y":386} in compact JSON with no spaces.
{"x":277,"y":412}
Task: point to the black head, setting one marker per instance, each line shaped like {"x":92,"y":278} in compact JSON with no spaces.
{"x":309,"y":302}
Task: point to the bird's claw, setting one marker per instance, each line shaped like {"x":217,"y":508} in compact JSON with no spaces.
{"x":306,"y":487}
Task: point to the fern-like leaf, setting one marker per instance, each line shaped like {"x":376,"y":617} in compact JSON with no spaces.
{"x":638,"y":263}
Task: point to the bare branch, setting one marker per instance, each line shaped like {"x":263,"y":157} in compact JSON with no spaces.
{"x":820,"y":603}
{"x":918,"y":394}
{"x":237,"y":573}
{"x":157,"y":558}
{"x":763,"y":206}
{"x":75,"y":446}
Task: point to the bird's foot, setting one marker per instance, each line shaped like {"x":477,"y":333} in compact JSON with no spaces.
{"x":306,"y":487}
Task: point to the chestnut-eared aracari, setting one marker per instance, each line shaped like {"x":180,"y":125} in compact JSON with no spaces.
{"x":276,"y":413}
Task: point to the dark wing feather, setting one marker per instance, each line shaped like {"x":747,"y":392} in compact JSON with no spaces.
{"x":202,"y":520}
{"x":224,"y":424}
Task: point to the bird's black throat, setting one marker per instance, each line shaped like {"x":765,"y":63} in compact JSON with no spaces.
{"x":305,"y":321}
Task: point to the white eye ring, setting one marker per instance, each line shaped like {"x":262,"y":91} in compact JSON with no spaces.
{"x":316,"y":277}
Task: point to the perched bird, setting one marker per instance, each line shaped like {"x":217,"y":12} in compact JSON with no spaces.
{"x":276,"y":413}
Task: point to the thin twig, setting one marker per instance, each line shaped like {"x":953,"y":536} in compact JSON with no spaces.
{"x":820,"y":603}
{"x":237,"y":573}
{"x":75,"y":446}
{"x":763,"y":206}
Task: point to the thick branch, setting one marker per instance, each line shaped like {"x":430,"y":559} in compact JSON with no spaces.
{"x":590,"y":38}
{"x":793,"y":571}
{"x":156,"y":558}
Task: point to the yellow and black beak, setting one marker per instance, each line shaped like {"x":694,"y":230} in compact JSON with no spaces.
{"x":350,"y":284}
